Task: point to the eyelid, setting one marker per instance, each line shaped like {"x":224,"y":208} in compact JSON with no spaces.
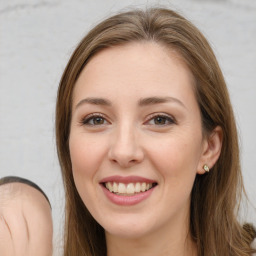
{"x":87,"y":118}
{"x":169,"y":117}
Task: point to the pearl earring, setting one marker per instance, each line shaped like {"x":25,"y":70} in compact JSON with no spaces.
{"x":206,"y":168}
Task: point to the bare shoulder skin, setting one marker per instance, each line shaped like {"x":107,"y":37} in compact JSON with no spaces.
{"x":25,"y":221}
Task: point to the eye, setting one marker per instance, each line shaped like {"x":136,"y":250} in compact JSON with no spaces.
{"x":160,"y":120}
{"x":94,"y":120}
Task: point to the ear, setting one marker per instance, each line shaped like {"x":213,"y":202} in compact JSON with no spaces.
{"x":211,"y":150}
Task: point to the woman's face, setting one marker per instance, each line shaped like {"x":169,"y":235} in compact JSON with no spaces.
{"x":136,"y":139}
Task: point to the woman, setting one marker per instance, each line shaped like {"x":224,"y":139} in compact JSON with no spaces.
{"x":147,"y":143}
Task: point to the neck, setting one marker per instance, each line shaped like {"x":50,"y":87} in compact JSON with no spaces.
{"x":166,"y":241}
{"x":129,"y":248}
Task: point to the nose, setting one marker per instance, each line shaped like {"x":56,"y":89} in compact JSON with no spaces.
{"x":125,"y":149}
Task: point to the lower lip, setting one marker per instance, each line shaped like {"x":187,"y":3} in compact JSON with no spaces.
{"x":127,"y":200}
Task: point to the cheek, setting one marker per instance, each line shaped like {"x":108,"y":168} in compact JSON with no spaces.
{"x":86,"y":160}
{"x":86,"y":156}
{"x":176,"y":156}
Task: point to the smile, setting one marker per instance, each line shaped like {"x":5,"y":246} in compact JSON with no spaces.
{"x":129,"y":189}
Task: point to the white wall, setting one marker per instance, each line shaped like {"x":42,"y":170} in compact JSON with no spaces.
{"x":36,"y":40}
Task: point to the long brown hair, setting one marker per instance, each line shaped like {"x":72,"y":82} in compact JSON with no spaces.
{"x":215,"y":197}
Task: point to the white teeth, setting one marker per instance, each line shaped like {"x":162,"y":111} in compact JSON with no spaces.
{"x":115,"y":187}
{"x":137,"y":187}
{"x":130,"y":188}
{"x":121,"y":188}
{"x":109,"y":186}
{"x":143,"y":187}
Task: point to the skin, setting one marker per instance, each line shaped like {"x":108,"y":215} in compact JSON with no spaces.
{"x":128,"y":139}
{"x":25,"y":221}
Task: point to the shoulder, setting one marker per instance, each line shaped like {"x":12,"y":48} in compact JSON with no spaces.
{"x":25,"y":219}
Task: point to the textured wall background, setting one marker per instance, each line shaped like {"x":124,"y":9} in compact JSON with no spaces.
{"x":36,"y":40}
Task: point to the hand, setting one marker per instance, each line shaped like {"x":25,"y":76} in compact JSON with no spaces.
{"x":25,"y":221}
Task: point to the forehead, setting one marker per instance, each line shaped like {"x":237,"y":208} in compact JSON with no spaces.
{"x":141,"y":67}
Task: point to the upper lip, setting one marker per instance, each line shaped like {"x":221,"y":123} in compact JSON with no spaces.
{"x":126,"y":179}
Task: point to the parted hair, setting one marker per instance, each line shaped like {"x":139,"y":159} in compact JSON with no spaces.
{"x":216,"y":196}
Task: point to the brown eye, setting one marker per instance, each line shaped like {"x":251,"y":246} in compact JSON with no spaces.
{"x":98,"y":120}
{"x":94,"y":121}
{"x":161,"y":120}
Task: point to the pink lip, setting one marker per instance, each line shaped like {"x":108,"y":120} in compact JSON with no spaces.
{"x":127,"y":200}
{"x":126,"y":180}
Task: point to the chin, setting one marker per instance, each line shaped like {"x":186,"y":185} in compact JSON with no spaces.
{"x":127,"y":230}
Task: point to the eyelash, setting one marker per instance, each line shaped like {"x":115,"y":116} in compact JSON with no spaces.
{"x":86,"y":120}
{"x":166,"y":117}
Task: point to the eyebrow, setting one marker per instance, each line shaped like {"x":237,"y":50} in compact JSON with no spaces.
{"x":94,"y":101}
{"x":142,"y":102}
{"x":159,"y":100}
